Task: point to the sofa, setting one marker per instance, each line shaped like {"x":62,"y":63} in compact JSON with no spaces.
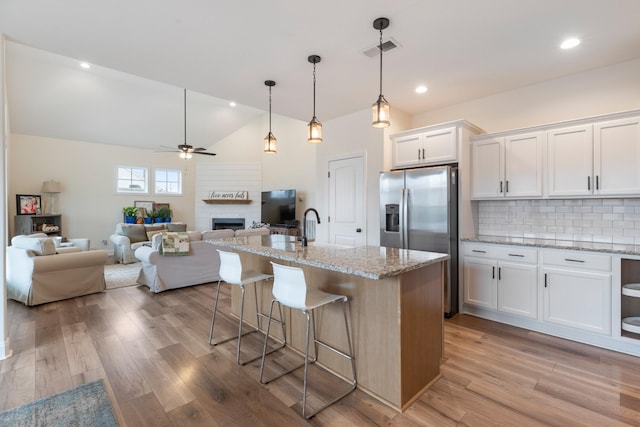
{"x":38,"y":272}
{"x":202,"y":265}
{"x":129,"y":237}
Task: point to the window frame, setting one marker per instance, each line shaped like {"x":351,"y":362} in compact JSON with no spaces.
{"x":180,"y":183}
{"x":130,"y":169}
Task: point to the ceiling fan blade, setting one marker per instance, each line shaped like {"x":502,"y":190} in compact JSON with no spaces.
{"x":199,"y":149}
{"x":202,"y":152}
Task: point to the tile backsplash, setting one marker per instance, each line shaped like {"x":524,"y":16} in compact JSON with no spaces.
{"x":590,"y":220}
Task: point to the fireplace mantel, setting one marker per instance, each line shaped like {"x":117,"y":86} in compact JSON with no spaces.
{"x":226,"y":202}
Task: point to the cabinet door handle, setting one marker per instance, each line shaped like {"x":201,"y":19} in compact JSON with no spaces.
{"x":478,"y":251}
{"x":518,"y":255}
{"x":506,"y":186}
{"x":418,"y":154}
{"x":493,"y":272}
{"x":545,"y":280}
{"x":501,"y":186}
{"x":423,"y":156}
{"x":597,"y":182}
{"x":499,"y":273}
{"x":588,"y":183}
{"x":573,"y":260}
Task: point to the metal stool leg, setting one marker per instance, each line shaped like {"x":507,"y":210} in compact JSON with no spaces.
{"x":215,"y":310}
{"x":266,"y":339}
{"x":349,"y":356}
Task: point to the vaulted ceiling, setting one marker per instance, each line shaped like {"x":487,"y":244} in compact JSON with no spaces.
{"x":143,"y":54}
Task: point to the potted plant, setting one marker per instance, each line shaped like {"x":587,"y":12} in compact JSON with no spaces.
{"x":130,"y":214}
{"x":163,"y":213}
{"x":149,"y":216}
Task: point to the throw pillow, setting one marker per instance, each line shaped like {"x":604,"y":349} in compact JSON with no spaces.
{"x":39,"y":246}
{"x":135,"y":232}
{"x":176,"y":227}
{"x":150,"y":234}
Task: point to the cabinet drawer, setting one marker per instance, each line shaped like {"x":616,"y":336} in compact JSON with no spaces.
{"x":481,"y":251}
{"x":577,"y":259}
{"x":517,"y":254}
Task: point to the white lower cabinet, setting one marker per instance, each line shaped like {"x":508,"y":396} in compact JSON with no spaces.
{"x":573,"y":290}
{"x":517,"y":291}
{"x":577,"y":290}
{"x":501,"y":278}
{"x":480,"y":283}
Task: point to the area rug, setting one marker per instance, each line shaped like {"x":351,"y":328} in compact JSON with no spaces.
{"x":84,"y":405}
{"x":121,"y":275}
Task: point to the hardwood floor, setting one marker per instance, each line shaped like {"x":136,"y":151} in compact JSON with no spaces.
{"x":152,"y":352}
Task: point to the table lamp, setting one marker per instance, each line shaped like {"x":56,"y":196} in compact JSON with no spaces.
{"x":51,"y":190}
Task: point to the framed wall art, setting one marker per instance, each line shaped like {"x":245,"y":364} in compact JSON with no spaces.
{"x":28,"y":204}
{"x":144,"y":207}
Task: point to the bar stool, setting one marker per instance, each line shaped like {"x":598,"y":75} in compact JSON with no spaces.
{"x":290,"y":289}
{"x":231,"y":272}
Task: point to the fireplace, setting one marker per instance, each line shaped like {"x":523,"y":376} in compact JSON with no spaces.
{"x":227,"y":223}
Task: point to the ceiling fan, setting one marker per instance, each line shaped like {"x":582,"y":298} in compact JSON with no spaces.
{"x":186,"y":151}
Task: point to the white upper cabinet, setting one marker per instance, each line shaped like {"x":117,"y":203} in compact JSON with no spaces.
{"x":507,"y":166}
{"x":592,"y":157}
{"x":425,"y":148}
{"x":570,"y":161}
{"x":601,"y":159}
{"x":617,"y":157}
{"x":487,"y":168}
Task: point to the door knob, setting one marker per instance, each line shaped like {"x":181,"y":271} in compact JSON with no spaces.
{"x":358,"y":230}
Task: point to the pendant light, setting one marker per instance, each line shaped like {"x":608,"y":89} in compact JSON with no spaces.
{"x":315,"y":127}
{"x":380,"y":108}
{"x":270,"y":142}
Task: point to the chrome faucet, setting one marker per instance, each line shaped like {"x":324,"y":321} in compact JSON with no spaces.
{"x":303,"y":240}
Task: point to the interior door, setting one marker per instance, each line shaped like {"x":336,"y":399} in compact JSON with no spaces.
{"x":346,"y":201}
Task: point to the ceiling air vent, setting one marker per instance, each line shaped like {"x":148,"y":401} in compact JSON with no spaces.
{"x":386,"y":46}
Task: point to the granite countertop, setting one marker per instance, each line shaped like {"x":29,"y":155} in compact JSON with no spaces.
{"x":372,"y":262}
{"x":610,"y":248}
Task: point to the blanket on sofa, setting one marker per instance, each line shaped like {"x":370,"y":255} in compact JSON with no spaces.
{"x":174,"y":244}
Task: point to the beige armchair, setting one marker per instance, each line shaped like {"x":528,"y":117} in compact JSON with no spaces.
{"x":37,"y":274}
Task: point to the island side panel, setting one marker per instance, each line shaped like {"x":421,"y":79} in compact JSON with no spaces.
{"x":375,"y":328}
{"x":422,"y":333}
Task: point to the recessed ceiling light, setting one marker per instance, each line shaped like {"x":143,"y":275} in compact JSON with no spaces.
{"x":85,"y":65}
{"x":421,"y":89}
{"x":232,"y":104}
{"x":570,"y":43}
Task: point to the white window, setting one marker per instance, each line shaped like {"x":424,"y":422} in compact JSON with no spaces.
{"x":168,"y":181}
{"x":132,"y":179}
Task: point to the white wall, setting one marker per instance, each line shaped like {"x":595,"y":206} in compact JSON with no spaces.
{"x":221,"y":177}
{"x":600,"y":91}
{"x":88,"y":203}
{"x":352,"y":134}
{"x":292,"y":167}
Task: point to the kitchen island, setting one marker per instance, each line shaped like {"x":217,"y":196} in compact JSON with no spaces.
{"x":395,"y":304}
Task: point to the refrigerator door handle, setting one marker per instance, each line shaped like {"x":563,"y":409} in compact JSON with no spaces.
{"x":404,"y":219}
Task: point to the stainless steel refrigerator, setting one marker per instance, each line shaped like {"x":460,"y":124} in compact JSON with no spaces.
{"x":419,"y":210}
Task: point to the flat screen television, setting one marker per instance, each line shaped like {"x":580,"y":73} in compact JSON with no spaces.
{"x":279,"y":208}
